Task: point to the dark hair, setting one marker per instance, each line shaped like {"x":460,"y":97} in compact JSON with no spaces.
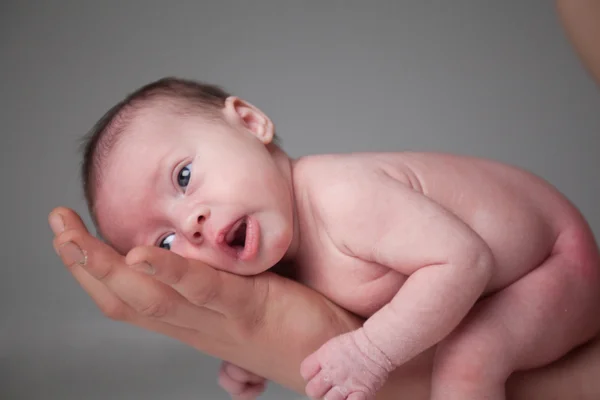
{"x":183,"y":96}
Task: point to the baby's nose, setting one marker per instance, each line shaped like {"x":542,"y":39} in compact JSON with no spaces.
{"x":197,"y":234}
{"x":195,"y":225}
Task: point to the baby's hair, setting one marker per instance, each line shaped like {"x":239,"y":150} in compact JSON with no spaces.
{"x":181,"y":96}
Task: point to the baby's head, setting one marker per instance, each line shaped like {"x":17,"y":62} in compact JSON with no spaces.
{"x":185,"y":166}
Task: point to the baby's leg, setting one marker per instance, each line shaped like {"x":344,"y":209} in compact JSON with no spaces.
{"x":533,"y":322}
{"x":239,"y":383}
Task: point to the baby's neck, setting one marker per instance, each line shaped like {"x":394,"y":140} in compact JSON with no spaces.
{"x":286,"y":165}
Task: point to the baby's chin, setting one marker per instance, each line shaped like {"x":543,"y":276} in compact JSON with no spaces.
{"x":250,"y":270}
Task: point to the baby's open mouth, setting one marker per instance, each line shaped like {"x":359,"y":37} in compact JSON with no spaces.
{"x":241,"y":241}
{"x":236,"y":237}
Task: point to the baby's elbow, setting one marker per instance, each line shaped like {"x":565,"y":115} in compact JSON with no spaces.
{"x":484,"y":262}
{"x":477,"y":263}
{"x":484,"y":265}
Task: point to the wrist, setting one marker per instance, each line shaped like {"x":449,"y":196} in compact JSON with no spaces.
{"x":372,"y":350}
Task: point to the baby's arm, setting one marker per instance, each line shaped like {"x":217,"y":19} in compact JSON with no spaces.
{"x":377,"y":218}
{"x":448,"y":264}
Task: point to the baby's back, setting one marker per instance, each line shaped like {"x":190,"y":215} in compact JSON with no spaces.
{"x":518,"y":214}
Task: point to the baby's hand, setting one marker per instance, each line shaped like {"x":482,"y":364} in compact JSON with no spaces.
{"x":239,"y":383}
{"x":347,"y":367}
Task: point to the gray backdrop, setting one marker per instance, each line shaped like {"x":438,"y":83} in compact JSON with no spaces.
{"x":487,"y":78}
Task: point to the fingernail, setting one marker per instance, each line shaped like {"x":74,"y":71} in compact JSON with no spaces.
{"x":144,"y":267}
{"x":56,"y":223}
{"x":72,"y":254}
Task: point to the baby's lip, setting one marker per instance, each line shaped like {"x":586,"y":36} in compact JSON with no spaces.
{"x":234,"y":230}
{"x":250,"y":248}
{"x":228,"y":230}
{"x":224,"y":232}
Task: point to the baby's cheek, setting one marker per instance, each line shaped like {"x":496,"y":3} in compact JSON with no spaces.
{"x":281,"y":244}
{"x":275,"y":240}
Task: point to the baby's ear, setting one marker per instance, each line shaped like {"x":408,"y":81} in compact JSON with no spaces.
{"x":251,"y":117}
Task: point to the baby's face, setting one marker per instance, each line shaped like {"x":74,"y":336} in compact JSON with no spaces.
{"x":206,"y":190}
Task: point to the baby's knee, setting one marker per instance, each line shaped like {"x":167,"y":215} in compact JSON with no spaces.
{"x":472,"y":360}
{"x":577,"y":246}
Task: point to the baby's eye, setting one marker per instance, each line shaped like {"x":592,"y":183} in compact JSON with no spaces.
{"x":184,"y":176}
{"x":166,"y":242}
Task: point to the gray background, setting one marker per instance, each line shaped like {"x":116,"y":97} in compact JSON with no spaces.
{"x":489,"y":78}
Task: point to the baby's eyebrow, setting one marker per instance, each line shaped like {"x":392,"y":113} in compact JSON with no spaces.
{"x":163,"y":171}
{"x":148,"y":239}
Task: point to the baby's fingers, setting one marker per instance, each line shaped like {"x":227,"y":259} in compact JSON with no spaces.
{"x":310,"y":367}
{"x":240,"y":374}
{"x":240,"y":383}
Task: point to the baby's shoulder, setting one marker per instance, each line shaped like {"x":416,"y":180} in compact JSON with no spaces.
{"x":337,"y":174}
{"x":321,"y":175}
{"x":336,"y":183}
{"x":314,"y":167}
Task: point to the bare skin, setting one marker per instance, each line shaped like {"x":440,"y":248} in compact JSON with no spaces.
{"x":482,"y":259}
{"x":581,"y":21}
{"x":169,"y":301}
{"x":509,"y":238}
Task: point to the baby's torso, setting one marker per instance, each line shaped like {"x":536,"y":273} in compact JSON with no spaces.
{"x":358,"y":286}
{"x":516,"y":213}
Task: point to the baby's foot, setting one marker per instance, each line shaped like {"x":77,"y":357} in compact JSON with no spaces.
{"x":239,"y":383}
{"x":347,"y":367}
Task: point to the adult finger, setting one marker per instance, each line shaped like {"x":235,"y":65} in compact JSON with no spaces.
{"x":229,"y":294}
{"x":63,"y":220}
{"x":145,"y":296}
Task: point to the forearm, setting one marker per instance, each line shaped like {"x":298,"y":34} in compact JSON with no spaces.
{"x":296,"y":322}
{"x":581,"y":21}
{"x":430,"y":304}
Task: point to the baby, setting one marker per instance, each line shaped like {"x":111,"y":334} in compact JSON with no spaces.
{"x":486,"y":261}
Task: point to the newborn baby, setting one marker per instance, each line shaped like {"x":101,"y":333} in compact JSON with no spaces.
{"x":486,"y":261}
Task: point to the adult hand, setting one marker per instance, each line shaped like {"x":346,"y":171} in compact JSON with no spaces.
{"x":230,"y":317}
